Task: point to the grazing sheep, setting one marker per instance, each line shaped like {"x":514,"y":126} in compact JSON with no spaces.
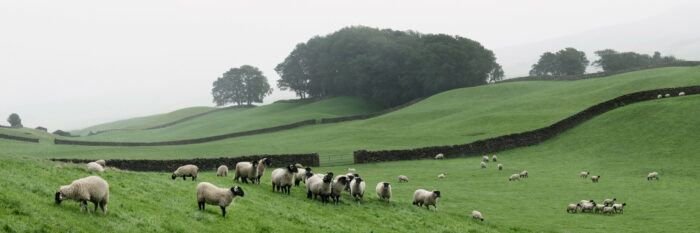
{"x":585,"y":201}
{"x":298,"y":165}
{"x":209,"y":194}
{"x":572,"y":208}
{"x":584,"y":174}
{"x":500,"y":166}
{"x":441,"y":176}
{"x":477,"y":215}
{"x":245,"y":171}
{"x":608,"y":210}
{"x":618,"y":207}
{"x":682,"y":93}
{"x":524,"y":174}
{"x":384,"y":191}
{"x":357,"y":188}
{"x":483,"y":165}
{"x":222,"y":171}
{"x":494,"y":158}
{"x":595,"y":179}
{"x":599,"y":208}
{"x":609,"y":201}
{"x":514,"y":177}
{"x":283,"y":178}
{"x":319,"y":187}
{"x":262,"y":164}
{"x":351,"y":169}
{"x":653,"y":175}
{"x":667,"y":95}
{"x":403,"y":178}
{"x":423,"y":197}
{"x":337,"y":187}
{"x":485,"y":159}
{"x":92,"y":188}
{"x":95,"y":167}
{"x":587,"y":206}
{"x":440,"y":156}
{"x":185,"y":171}
{"x":301,"y":176}
{"x":659,"y":96}
{"x":101,"y":162}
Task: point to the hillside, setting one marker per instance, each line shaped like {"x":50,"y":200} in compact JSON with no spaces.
{"x":622,"y":146}
{"x":144,"y":122}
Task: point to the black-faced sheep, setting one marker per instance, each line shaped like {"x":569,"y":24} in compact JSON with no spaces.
{"x":514,"y":177}
{"x":477,"y":215}
{"x":222,"y":171}
{"x":357,"y":189}
{"x":337,"y":187}
{"x":653,"y":175}
{"x":485,"y":159}
{"x":572,"y":208}
{"x":185,"y":171}
{"x":245,"y":171}
{"x":95,"y":167}
{"x":403,"y":178}
{"x":384,"y":191}
{"x":423,"y":197}
{"x":524,"y":174}
{"x":587,"y":206}
{"x":608,"y":210}
{"x":494,"y":158}
{"x":607,"y":202}
{"x":619,"y":207}
{"x":283,"y":178}
{"x":262,"y":164}
{"x":92,"y":188}
{"x":500,"y":166}
{"x":599,"y":208}
{"x":301,"y":176}
{"x":595,"y":179}
{"x":317,"y":186}
{"x":442,"y":176}
{"x":482,"y":164}
{"x":209,"y":194}
{"x":584,"y":174}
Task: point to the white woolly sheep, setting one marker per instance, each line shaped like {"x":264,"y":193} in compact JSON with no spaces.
{"x":384,"y":191}
{"x":599,"y":208}
{"x":494,"y":158}
{"x":485,"y":159}
{"x":92,"y":188}
{"x":524,"y":174}
{"x":659,"y":96}
{"x":95,"y":167}
{"x":245,"y":171}
{"x":587,"y":206}
{"x":423,"y":197}
{"x":357,"y":188}
{"x":318,"y":186}
{"x":101,"y":162}
{"x":482,"y":164}
{"x":607,"y":202}
{"x":185,"y":171}
{"x":653,"y":175}
{"x":500,"y":166}
{"x":584,"y":174}
{"x":608,"y":210}
{"x":262,"y":164}
{"x":682,"y":93}
{"x":403,"y":178}
{"x":209,"y":194}
{"x":441,"y":176}
{"x":440,"y":156}
{"x":618,"y":207}
{"x":301,"y":176}
{"x":477,"y":215}
{"x":595,"y":179}
{"x":351,"y":169}
{"x":572,"y":208}
{"x":667,"y":95}
{"x":283,"y":178}
{"x":514,"y":177}
{"x":337,"y":187}
{"x":585,"y":201}
{"x":222,"y":171}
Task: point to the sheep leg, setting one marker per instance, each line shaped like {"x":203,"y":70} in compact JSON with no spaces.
{"x":308,"y":194}
{"x":86,"y":206}
{"x":296,"y":182}
{"x":103,"y":207}
{"x":95,"y":206}
{"x":223,"y":211}
{"x":81,"y":206}
{"x":194,"y":178}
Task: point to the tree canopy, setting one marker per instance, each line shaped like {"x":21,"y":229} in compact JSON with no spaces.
{"x":14,"y":120}
{"x":246,"y":84}
{"x":386,"y":66}
{"x":568,"y":61}
{"x":611,"y":60}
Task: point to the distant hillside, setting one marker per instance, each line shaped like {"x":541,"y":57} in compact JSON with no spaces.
{"x":144,"y":122}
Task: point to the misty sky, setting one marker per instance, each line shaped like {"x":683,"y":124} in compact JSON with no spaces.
{"x":71,"y":64}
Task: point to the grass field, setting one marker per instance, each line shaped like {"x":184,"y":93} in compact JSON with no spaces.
{"x":622,"y":146}
{"x":144,"y":122}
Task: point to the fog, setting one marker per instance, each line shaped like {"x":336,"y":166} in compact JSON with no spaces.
{"x":71,"y":64}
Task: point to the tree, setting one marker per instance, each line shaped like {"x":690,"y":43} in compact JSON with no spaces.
{"x":611,"y":60}
{"x":568,"y":61}
{"x":245,"y":84}
{"x":14,"y":120}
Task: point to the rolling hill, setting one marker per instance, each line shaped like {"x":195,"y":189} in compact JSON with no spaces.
{"x":144,"y":122}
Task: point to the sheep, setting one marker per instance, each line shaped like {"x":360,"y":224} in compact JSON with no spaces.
{"x":423,"y":197}
{"x":494,"y":158}
{"x":584,"y":174}
{"x":608,"y":210}
{"x":222,"y":171}
{"x":440,"y":156}
{"x":403,"y":178}
{"x":283,"y":178}
{"x":587,"y":206}
{"x":572,"y":208}
{"x":185,"y":171}
{"x":441,"y":176}
{"x":318,"y":186}
{"x":524,"y":174}
{"x":298,"y":165}
{"x":101,"y":162}
{"x":477,"y":215}
{"x":667,"y":95}
{"x":585,"y":201}
{"x":485,"y":159}
{"x":245,"y":171}
{"x":515,"y":176}
{"x":384,"y":191}
{"x":682,"y":93}
{"x":500,"y":166}
{"x":618,"y":207}
{"x":337,"y":187}
{"x":350,"y":178}
{"x":653,"y":175}
{"x":599,"y":208}
{"x":609,"y":201}
{"x":357,"y":189}
{"x":95,"y":167}
{"x":262,"y":164}
{"x":659,"y":96}
{"x":483,"y":165}
{"x":351,"y":169}
{"x":595,"y":179}
{"x":207,"y":193}
{"x":301,"y":176}
{"x":92,"y":188}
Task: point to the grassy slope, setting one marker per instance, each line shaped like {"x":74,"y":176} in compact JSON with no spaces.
{"x":622,"y":146}
{"x":27,"y":133}
{"x":236,"y":120}
{"x":145,"y":122}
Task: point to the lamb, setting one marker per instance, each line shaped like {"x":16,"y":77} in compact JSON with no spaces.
{"x":667,"y":95}
{"x":222,"y":171}
{"x":95,"y":167}
{"x":514,"y":177}
{"x":572,"y":208}
{"x":357,"y":189}
{"x":301,"y":176}
{"x":682,"y":93}
{"x":618,"y":207}
{"x":485,"y":159}
{"x":91,"y":188}
{"x":584,"y":174}
{"x":384,"y":191}
{"x":523,"y":174}
{"x":319,"y":186}
{"x":423,"y":197}
{"x":587,"y":206}
{"x":494,"y":158}
{"x":608,"y":210}
{"x":262,"y":164}
{"x":440,"y":156}
{"x":441,"y":176}
{"x":595,"y":179}
{"x":599,"y":208}
{"x":403,"y":178}
{"x":207,"y":193}
{"x":337,"y":187}
{"x":283,"y":178}
{"x":245,"y":171}
{"x":609,"y":201}
{"x":653,"y":175}
{"x":101,"y":162}
{"x":185,"y":171}
{"x":500,"y":166}
{"x":477,"y":215}
{"x":483,"y":165}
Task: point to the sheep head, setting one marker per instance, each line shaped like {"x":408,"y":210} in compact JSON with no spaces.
{"x":237,"y":191}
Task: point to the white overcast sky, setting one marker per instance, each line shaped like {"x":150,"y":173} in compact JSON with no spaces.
{"x":72,"y":64}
